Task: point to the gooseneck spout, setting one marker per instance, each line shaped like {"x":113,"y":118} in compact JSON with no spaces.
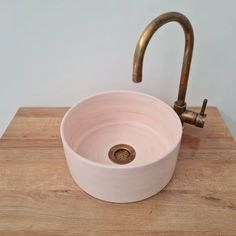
{"x":191,"y":117}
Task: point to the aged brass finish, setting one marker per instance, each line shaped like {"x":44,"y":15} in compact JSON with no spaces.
{"x":180,"y":106}
{"x":122,"y":154}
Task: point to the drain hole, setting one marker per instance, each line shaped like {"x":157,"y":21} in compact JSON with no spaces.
{"x":122,"y":154}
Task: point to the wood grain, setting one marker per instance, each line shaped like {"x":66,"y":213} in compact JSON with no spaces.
{"x":39,"y":197}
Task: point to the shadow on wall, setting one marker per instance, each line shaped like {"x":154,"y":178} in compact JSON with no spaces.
{"x":230,"y":123}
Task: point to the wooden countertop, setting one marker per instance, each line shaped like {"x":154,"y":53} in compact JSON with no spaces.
{"x":39,"y":197}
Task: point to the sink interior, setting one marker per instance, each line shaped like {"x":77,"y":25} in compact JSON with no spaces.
{"x":147,"y":125}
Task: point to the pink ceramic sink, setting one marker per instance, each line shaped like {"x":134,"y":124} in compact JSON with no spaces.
{"x":121,"y":146}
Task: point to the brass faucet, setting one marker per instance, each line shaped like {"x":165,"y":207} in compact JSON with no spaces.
{"x":180,"y":108}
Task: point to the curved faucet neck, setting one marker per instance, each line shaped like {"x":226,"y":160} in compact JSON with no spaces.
{"x":146,"y":37}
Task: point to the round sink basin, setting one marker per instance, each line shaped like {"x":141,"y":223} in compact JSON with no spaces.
{"x":121,"y":146}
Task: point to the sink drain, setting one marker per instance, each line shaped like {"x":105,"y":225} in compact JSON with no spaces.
{"x":122,"y":154}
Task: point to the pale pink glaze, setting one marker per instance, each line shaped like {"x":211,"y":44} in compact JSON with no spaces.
{"x":91,"y":127}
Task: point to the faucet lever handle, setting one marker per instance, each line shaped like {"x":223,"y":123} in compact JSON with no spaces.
{"x":204,"y":104}
{"x":200,"y":117}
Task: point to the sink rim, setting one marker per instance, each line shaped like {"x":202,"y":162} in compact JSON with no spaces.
{"x":123,"y":167}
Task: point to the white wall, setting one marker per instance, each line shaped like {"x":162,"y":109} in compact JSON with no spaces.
{"x":53,"y":53}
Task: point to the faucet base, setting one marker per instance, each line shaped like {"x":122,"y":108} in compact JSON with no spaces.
{"x":191,"y":117}
{"x":179,"y":109}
